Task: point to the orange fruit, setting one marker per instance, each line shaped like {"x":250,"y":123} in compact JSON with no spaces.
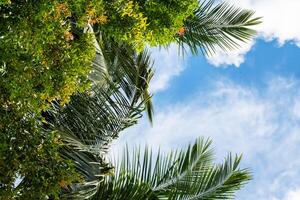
{"x":181,"y":31}
{"x":62,"y":184}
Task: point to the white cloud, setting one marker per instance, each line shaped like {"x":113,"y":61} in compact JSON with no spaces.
{"x":234,"y":57}
{"x":167,"y":64}
{"x":280,"y":18}
{"x":296,"y":109}
{"x":292,"y":195}
{"x":261,"y":125}
{"x":280,"y":22}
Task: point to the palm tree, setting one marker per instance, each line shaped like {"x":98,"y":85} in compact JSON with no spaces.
{"x":120,"y":95}
{"x":216,"y":25}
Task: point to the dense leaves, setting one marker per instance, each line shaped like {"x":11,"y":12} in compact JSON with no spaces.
{"x":42,"y":56}
{"x":46,"y":54}
{"x":29,"y":153}
{"x":152,"y":22}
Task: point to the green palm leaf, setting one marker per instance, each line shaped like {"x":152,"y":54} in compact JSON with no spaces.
{"x":130,"y":70}
{"x":187,"y":174}
{"x":215,"y":182}
{"x":217,"y":25}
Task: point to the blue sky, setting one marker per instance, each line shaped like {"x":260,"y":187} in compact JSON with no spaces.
{"x":246,"y":101}
{"x":264,"y":61}
{"x":261,"y":100}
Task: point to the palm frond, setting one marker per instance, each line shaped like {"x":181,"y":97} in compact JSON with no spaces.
{"x":103,"y":114}
{"x":217,"y":25}
{"x":187,"y":174}
{"x":99,"y":72}
{"x":131,"y":70}
{"x":216,"y":182}
{"x":91,"y":167}
{"x":87,"y":125}
{"x":120,"y":63}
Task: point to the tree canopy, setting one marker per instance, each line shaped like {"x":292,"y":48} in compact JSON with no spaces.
{"x":46,"y":53}
{"x":73,"y":74}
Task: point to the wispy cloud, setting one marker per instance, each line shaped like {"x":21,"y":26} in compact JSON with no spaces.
{"x":167,"y":64}
{"x":280,"y":22}
{"x":234,"y":57}
{"x":292,"y":194}
{"x":263,"y":125}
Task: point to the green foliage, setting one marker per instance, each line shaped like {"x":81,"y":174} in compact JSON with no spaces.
{"x":98,"y":84}
{"x":165,"y":18}
{"x":152,"y":22}
{"x":29,"y":152}
{"x":44,"y":56}
{"x":3,"y":2}
{"x":188,"y":174}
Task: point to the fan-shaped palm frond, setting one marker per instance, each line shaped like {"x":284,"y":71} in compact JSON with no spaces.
{"x":187,"y":174}
{"x":217,"y":25}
